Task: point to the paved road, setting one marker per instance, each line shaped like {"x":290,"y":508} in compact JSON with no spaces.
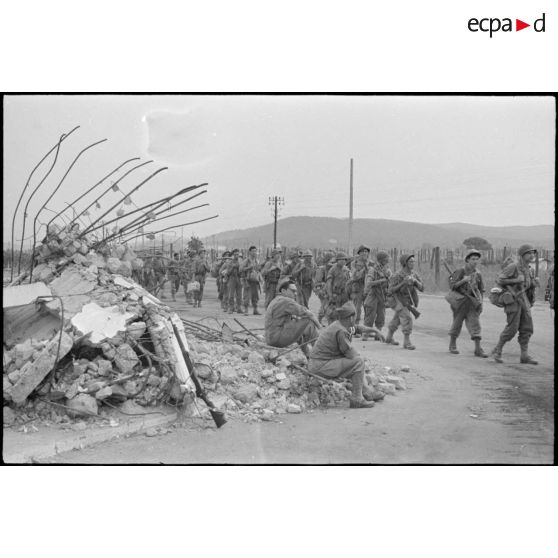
{"x":457,"y":409}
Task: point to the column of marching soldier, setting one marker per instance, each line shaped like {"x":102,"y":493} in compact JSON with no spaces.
{"x":349,"y":292}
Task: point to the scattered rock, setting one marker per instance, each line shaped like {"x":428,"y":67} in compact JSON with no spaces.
{"x":284,"y":384}
{"x":150,"y":432}
{"x":246,"y":393}
{"x":398,"y":382}
{"x":82,"y":404}
{"x":103,"y":393}
{"x":387,"y":388}
{"x":293,"y":408}
{"x":104,"y":367}
{"x":255,"y":358}
{"x":125,"y":358}
{"x":267,"y":414}
{"x":228,"y":374}
{"x":280,"y":376}
{"x":405,"y":368}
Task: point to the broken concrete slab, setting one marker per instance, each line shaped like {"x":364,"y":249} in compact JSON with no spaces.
{"x":33,"y":375}
{"x":22,"y":295}
{"x":82,"y":404}
{"x":103,"y":323}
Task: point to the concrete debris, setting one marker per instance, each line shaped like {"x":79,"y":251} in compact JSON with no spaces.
{"x":405,"y":368}
{"x":22,"y":295}
{"x":101,"y":323}
{"x":111,"y":323}
{"x":82,"y":404}
{"x":34,"y":372}
{"x":125,"y":358}
{"x":398,"y":382}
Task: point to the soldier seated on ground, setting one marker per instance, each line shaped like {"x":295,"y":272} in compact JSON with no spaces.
{"x":334,"y":357}
{"x":287,"y":321}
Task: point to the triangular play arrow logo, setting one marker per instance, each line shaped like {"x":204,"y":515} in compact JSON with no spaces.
{"x":519,"y":25}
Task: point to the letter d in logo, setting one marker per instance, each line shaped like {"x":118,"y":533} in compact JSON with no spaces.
{"x":539,"y":24}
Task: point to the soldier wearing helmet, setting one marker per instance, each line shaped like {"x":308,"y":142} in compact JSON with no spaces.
{"x":519,"y":283}
{"x":271,"y":273}
{"x":359,"y":269}
{"x":320,"y":277}
{"x":403,"y":296}
{"x":303,"y":274}
{"x":250,"y":271}
{"x":336,"y":286}
{"x":468,"y":289}
{"x":375,"y":292}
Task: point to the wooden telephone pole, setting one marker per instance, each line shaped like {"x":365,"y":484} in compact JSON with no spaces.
{"x":350,"y":247}
{"x":275,"y":201}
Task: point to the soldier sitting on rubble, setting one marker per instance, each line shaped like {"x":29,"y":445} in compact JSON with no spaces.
{"x":334,"y":357}
{"x":287,"y":321}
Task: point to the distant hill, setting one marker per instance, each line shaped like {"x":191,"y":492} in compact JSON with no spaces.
{"x":324,"y":232}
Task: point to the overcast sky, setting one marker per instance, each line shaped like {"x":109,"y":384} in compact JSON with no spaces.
{"x":481,"y":160}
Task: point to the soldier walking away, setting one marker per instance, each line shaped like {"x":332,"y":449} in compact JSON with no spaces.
{"x":188,"y":276}
{"x":333,"y":356}
{"x":223,"y":280}
{"x":288,"y":322}
{"x":359,"y":269}
{"x":251,"y":278}
{"x":336,"y":286}
{"x":159,"y":273}
{"x":403,"y":298}
{"x":466,"y":302}
{"x":303,"y":274}
{"x":174,"y":274}
{"x":376,"y":292}
{"x":271,"y":273}
{"x":518,"y":281}
{"x":234,"y":284}
{"x":201,"y":268}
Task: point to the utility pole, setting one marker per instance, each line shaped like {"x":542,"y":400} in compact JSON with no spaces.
{"x":275,"y":201}
{"x":351,"y":212}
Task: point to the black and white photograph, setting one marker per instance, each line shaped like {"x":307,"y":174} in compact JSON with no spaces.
{"x":278,"y":279}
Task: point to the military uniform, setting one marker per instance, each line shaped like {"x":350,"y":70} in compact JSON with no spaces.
{"x":234,"y":284}
{"x":250,"y":270}
{"x":287,"y":322}
{"x":359,"y":269}
{"x":400,"y":298}
{"x":223,"y":281}
{"x":303,"y":274}
{"x":187,"y":276}
{"x":467,"y":306}
{"x":333,"y":356}
{"x":376,"y":294}
{"x":201,"y":268}
{"x":174,"y":275}
{"x":271,"y":273}
{"x":289,"y":267}
{"x":336,"y":287}
{"x":518,"y":281}
{"x":549,"y":291}
{"x":159,"y":272}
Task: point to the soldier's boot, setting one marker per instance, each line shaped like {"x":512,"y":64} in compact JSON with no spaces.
{"x":246,"y":309}
{"x":407,"y":343}
{"x":389,"y":338}
{"x":453,"y":345}
{"x":256,"y":312}
{"x":525,"y":357}
{"x":497,"y":352}
{"x":478,"y":349}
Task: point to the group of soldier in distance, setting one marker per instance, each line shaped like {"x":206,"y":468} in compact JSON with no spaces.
{"x":351,"y":290}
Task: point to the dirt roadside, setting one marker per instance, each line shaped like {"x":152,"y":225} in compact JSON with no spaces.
{"x":457,"y":408}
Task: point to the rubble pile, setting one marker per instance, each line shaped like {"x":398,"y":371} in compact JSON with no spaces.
{"x":255,"y":383}
{"x":84,"y":338}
